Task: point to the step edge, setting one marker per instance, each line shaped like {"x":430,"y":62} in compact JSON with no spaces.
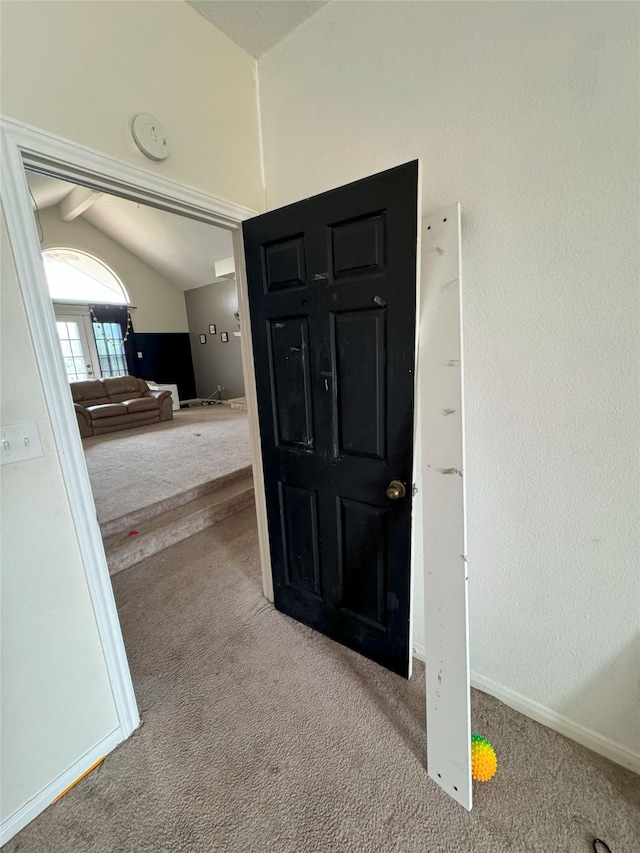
{"x":122,"y":558}
{"x":129,"y":520}
{"x":178,"y":514}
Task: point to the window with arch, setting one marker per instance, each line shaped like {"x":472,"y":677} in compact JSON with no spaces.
{"x":92,"y":343}
{"x":75,"y":276}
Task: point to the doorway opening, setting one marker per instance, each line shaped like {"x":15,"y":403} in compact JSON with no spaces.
{"x":138,"y":306}
{"x":29,"y":149}
{"x":90,"y":170}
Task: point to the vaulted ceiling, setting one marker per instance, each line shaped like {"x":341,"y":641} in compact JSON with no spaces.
{"x":257,"y":25}
{"x":182,"y":250}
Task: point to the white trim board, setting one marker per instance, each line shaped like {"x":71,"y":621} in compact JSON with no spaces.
{"x":551,"y":719}
{"x":44,"y":798}
{"x":61,"y":158}
{"x":441,"y":506}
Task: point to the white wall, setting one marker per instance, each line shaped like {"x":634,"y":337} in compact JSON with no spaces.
{"x":81,"y":70}
{"x":527,"y":113}
{"x":56,"y":701}
{"x":160,"y":304}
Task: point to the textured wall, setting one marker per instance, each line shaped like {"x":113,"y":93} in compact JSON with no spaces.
{"x":527,"y":113}
{"x":215,"y":363}
{"x":159,"y":303}
{"x":83,"y":70}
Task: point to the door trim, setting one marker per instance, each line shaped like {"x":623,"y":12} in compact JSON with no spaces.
{"x":25,"y":146}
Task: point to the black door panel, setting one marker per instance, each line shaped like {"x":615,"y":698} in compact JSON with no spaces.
{"x":332,"y":296}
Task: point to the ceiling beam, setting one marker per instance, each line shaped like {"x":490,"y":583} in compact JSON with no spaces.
{"x":78,"y":200}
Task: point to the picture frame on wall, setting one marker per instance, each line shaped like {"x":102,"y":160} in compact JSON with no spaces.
{"x":203,"y":339}
{"x":212,"y":328}
{"x":224,"y":337}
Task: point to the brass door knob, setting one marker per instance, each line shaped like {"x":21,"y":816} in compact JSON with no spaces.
{"x":396,"y":490}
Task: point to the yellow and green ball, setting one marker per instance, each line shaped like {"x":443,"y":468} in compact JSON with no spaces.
{"x":484,"y":761}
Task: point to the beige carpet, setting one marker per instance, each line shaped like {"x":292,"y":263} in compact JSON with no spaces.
{"x":135,"y":467}
{"x":260,"y":736}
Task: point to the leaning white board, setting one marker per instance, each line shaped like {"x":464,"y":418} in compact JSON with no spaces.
{"x":441,"y":485}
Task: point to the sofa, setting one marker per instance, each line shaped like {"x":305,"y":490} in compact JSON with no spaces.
{"x":106,"y":405}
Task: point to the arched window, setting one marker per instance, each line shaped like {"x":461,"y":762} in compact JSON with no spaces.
{"x":93,"y":329}
{"x":75,"y":276}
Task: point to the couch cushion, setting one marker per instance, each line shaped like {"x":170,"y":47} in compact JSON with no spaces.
{"x":109,"y":410}
{"x":142,"y":404}
{"x":122,"y":388}
{"x":90,"y":393}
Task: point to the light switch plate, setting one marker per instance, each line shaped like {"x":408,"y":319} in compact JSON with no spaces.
{"x":19,"y":442}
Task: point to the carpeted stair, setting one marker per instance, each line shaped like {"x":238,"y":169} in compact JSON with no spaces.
{"x":148,"y":530}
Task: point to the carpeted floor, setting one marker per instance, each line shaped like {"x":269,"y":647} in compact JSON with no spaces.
{"x":261,"y":736}
{"x":135,"y":467}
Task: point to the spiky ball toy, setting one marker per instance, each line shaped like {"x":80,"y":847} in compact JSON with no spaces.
{"x":484,"y":761}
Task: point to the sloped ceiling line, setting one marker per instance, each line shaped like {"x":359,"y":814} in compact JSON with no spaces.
{"x":182,"y":250}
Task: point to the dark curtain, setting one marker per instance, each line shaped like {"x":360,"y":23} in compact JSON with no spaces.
{"x":118,"y":314}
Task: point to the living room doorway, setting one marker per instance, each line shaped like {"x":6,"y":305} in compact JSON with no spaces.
{"x":147,"y":317}
{"x":28,"y":148}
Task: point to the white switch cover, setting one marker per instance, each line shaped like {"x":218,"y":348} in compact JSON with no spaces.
{"x":19,"y":442}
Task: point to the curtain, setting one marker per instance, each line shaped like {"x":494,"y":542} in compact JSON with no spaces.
{"x":117,"y":314}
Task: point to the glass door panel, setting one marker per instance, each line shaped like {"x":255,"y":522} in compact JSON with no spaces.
{"x":76,"y":350}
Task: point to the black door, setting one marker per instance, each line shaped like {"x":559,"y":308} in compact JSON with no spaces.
{"x":332,"y":292}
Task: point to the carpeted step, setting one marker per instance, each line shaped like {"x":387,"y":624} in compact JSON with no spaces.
{"x":133,"y":520}
{"x":177,"y":523}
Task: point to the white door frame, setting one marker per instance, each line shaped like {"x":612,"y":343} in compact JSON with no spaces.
{"x":23,"y":145}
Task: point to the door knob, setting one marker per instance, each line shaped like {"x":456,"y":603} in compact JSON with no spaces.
{"x":396,"y":490}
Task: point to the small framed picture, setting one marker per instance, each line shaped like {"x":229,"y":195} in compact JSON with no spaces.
{"x":203,"y":339}
{"x":212,"y":329}
{"x":224,"y":337}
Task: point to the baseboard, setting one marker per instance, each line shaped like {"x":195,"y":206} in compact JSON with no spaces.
{"x":552,"y":720}
{"x":33,"y":807}
{"x":559,"y":723}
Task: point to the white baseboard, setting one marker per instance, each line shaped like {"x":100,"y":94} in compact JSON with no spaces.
{"x":559,"y":723}
{"x":552,"y":720}
{"x":37,"y":804}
